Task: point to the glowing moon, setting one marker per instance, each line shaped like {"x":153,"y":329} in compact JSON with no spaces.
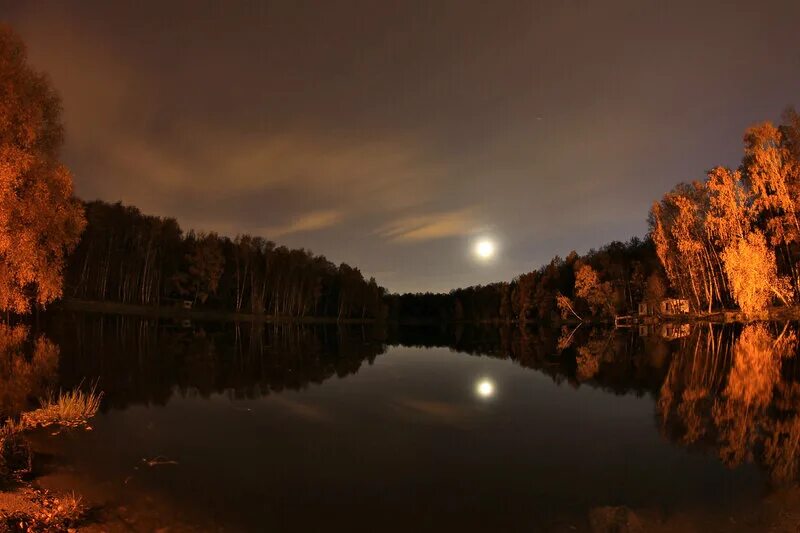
{"x":485,"y":388}
{"x":485,"y":249}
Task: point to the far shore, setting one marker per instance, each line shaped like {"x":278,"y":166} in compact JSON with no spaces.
{"x":724,"y":316}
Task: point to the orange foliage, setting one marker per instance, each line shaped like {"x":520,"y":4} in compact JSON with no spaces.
{"x":771,"y":169}
{"x":751,"y":384}
{"x":596,"y":293}
{"x":40,"y":221}
{"x":565,"y":307}
{"x":752,"y":274}
{"x":735,"y":236}
{"x":728,"y":217}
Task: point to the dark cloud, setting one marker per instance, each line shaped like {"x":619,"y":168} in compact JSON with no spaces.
{"x":390,"y":135}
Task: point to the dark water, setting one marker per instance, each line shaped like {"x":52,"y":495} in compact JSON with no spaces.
{"x":289,"y":428}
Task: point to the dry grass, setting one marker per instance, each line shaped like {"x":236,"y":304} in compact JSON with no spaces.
{"x":45,"y":512}
{"x":70,"y":409}
{"x":36,"y":510}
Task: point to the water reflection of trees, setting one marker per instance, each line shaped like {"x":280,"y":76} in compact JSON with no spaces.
{"x":140,"y":360}
{"x":28,"y":368}
{"x":734,"y":391}
{"x":618,"y":361}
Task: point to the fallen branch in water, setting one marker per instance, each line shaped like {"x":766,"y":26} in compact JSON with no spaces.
{"x":158,"y":461}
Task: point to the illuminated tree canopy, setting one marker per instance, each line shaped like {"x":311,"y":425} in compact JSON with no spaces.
{"x":40,"y":221}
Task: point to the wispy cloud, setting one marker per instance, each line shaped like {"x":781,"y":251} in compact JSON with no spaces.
{"x":422,"y":410}
{"x":430,"y":226}
{"x":299,"y":409}
{"x":313,"y":221}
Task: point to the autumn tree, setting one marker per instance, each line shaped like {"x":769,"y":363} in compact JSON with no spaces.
{"x":750,"y":267}
{"x":596,"y":293}
{"x":40,"y":221}
{"x":728,"y":217}
{"x":684,"y":243}
{"x":772,"y":172}
{"x":566,"y":308}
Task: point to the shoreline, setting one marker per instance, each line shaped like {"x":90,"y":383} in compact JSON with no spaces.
{"x":722,"y":316}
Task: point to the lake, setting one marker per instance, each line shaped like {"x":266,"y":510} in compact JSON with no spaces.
{"x":253,"y":427}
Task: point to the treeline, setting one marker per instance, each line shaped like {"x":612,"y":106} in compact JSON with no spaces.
{"x":733,"y":239}
{"x":127,"y":257}
{"x":599,"y":284}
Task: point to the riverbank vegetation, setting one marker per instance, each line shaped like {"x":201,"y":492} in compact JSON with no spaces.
{"x":28,"y":365}
{"x":23,"y":507}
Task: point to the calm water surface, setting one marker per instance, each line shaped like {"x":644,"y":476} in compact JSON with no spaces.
{"x":218,"y":426}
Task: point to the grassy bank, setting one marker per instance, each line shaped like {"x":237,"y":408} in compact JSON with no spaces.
{"x":24,"y":507}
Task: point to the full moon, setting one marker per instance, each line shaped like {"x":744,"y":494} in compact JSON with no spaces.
{"x":485,"y":388}
{"x":484,"y":249}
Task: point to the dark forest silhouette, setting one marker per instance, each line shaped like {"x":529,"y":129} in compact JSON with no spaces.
{"x":630,"y":273}
{"x":131,"y":258}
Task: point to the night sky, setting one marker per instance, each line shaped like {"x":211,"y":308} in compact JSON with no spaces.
{"x":391,"y":135}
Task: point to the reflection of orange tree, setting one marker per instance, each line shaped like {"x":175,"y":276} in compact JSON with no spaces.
{"x":782,"y":440}
{"x":588,"y":363}
{"x":27,"y":368}
{"x":741,"y":411}
{"x":690,"y":412}
{"x":591,"y":354}
{"x":729,"y":394}
{"x":695,"y":376}
{"x":755,"y":367}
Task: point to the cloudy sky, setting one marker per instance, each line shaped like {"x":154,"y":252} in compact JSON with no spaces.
{"x":390,"y":135}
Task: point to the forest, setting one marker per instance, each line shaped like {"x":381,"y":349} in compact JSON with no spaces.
{"x":597,"y":284}
{"x":127,"y":257}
